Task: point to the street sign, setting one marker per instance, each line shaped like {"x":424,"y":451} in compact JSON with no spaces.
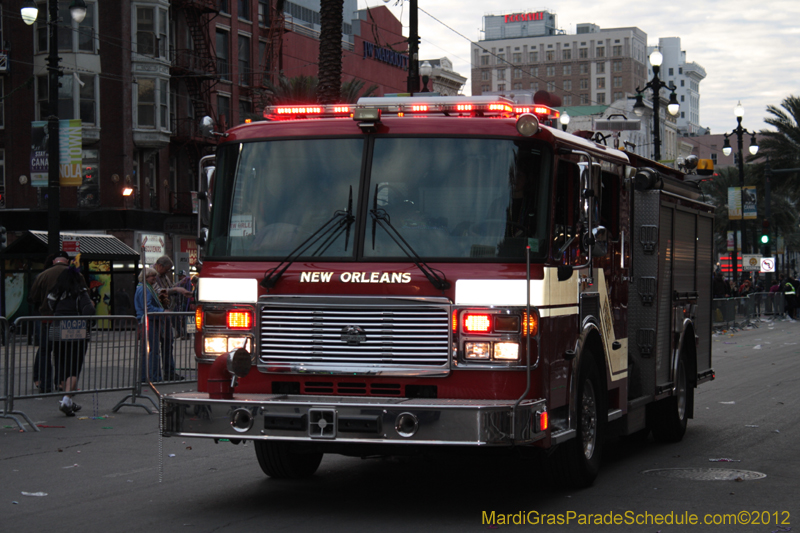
{"x":767,"y":264}
{"x":751,"y":262}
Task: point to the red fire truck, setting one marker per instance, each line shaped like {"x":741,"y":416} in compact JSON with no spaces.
{"x":412,"y":273}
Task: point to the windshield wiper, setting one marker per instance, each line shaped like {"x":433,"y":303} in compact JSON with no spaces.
{"x":381,"y":217}
{"x":332,"y":229}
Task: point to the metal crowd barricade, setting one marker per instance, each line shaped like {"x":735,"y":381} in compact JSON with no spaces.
{"x":112,"y":361}
{"x":744,"y":311}
{"x":172,"y":344}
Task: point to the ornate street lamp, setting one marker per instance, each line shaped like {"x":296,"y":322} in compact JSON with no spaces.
{"x":30,"y":12}
{"x":564,"y":119}
{"x":425,"y":71}
{"x":655,"y":85}
{"x":738,"y":111}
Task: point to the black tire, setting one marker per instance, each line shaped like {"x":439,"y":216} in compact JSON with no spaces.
{"x":576,"y":463}
{"x":279,"y":461}
{"x":668,"y":417}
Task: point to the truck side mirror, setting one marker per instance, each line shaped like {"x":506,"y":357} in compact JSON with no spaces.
{"x":600,"y":244}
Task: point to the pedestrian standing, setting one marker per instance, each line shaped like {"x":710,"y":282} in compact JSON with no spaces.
{"x":44,"y":283}
{"x":166,"y":290}
{"x":146,"y":296}
{"x":69,"y":297}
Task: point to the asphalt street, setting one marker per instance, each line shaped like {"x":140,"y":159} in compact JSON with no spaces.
{"x":104,"y":471}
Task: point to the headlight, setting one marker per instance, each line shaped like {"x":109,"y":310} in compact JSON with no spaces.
{"x":506,"y":351}
{"x":218,"y":345}
{"x":477,"y":350}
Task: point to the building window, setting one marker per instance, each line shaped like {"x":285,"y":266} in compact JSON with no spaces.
{"x":151,"y":32}
{"x":517,"y":86}
{"x":566,"y":54}
{"x":583,"y":53}
{"x":72,"y":37}
{"x":501,"y":87}
{"x":516,"y":57}
{"x":584,"y":83}
{"x":682,"y":83}
{"x":163,"y":104}
{"x":619,"y":96}
{"x":601,"y":68}
{"x":2,"y":178}
{"x":584,"y":68}
{"x":535,"y":72}
{"x":224,"y":6}
{"x":484,"y":60}
{"x":224,"y":109}
{"x":146,"y":103}
{"x":517,"y":73}
{"x":551,"y":86}
{"x":671,"y":71}
{"x":567,"y":69}
{"x":601,"y":51}
{"x":533,"y":56}
{"x":617,"y":66}
{"x":244,"y":61}
{"x":263,"y":13}
{"x":501,"y":59}
{"x":551,"y":71}
{"x":601,"y":83}
{"x":501,"y":74}
{"x":535,"y":86}
{"x":601,"y":98}
{"x":245,"y":110}
{"x":74,"y":100}
{"x":2,"y":103}
{"x":568,"y":100}
{"x":683,"y":115}
{"x":550,"y":55}
{"x":683,"y":98}
{"x":223,"y":55}
{"x":714,"y":160}
{"x":617,"y":81}
{"x":584,"y":99}
{"x":485,"y":75}
{"x":567,"y":85}
{"x":243,"y":9}
{"x":485,"y":88}
{"x":616,"y":51}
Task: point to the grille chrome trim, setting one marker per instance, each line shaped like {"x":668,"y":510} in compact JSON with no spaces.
{"x":400,"y":336}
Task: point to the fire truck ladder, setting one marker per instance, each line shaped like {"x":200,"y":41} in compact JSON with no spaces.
{"x":197,"y":66}
{"x":271,"y":65}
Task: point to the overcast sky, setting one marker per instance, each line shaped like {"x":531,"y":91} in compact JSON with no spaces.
{"x":750,"y":50}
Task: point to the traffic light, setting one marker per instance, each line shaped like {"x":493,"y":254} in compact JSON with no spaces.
{"x":765,"y":232}
{"x":3,"y":238}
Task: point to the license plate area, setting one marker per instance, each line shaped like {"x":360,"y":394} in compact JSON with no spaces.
{"x":322,"y":423}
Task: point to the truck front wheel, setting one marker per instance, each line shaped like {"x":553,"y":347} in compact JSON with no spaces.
{"x":576,"y":462}
{"x":280,"y":461}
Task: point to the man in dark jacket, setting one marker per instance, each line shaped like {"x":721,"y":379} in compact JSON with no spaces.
{"x":44,"y":283}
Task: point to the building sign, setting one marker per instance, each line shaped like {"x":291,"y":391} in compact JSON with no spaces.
{"x":189,"y":249}
{"x":750,"y":202}
{"x":153,"y":244}
{"x":70,"y":153}
{"x":378,"y":53}
{"x":524,"y":17}
{"x":739,"y":198}
{"x":751,"y":262}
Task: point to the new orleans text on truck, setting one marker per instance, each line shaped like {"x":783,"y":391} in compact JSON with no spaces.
{"x":409,"y":273}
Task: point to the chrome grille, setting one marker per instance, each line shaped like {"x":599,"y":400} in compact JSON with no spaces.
{"x":393,"y":335}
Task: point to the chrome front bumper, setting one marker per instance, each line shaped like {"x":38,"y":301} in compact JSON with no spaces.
{"x":352,"y":419}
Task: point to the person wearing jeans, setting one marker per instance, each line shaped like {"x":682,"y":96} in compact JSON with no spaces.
{"x":146,"y":294}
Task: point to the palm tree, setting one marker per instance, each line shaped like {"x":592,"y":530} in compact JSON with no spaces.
{"x":330,"y":51}
{"x":302,"y":90}
{"x":782,"y":147}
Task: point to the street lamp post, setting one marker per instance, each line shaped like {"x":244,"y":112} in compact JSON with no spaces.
{"x":656,"y":85}
{"x":30,"y":12}
{"x":564,"y":119}
{"x":726,"y":149}
{"x":413,"y":49}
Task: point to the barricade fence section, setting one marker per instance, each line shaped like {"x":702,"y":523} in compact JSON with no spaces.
{"x":106,"y":353}
{"x":744,"y":311}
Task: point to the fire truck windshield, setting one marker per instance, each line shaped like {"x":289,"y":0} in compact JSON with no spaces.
{"x":450,"y":198}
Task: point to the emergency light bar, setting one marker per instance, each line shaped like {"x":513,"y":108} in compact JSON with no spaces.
{"x":288,"y":112}
{"x":473,"y":106}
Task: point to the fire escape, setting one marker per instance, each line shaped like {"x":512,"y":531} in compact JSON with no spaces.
{"x":271,"y":65}
{"x":195,"y":65}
